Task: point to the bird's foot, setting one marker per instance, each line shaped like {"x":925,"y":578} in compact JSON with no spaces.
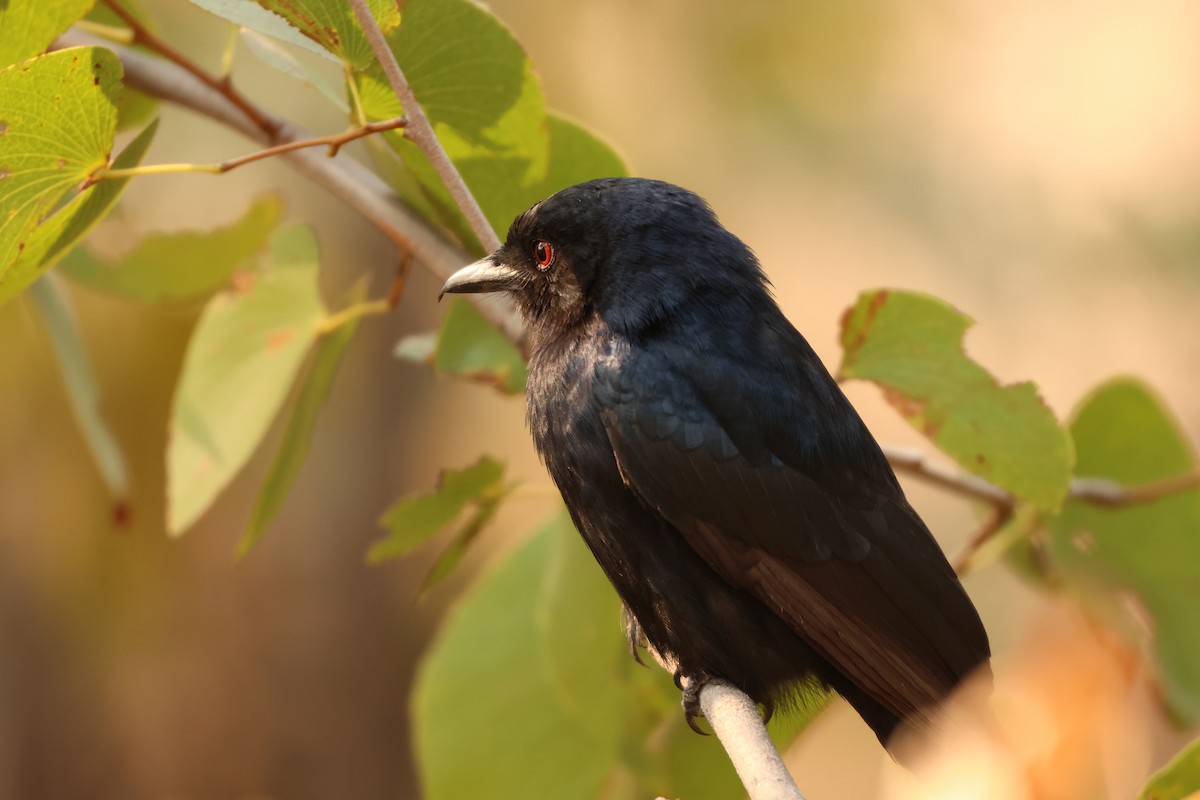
{"x":691,"y":685}
{"x":691,"y":688}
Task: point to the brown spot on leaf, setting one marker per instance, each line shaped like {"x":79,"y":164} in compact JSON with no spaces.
{"x":4,"y":173}
{"x":20,"y":247}
{"x":96,"y":81}
{"x":279,"y":338}
{"x":62,"y":162}
{"x":980,"y":458}
{"x":3,"y":126}
{"x":912,"y":409}
{"x":877,"y":301}
{"x":243,"y":281}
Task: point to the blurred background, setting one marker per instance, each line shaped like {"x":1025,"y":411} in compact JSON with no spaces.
{"x":1032,"y":163}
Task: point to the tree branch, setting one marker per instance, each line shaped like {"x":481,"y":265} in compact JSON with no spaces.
{"x":736,"y":721}
{"x":350,"y":181}
{"x":143,"y":36}
{"x":1097,"y":491}
{"x":420,"y":132}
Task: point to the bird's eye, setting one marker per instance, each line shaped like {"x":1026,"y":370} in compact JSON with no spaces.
{"x":543,"y":254}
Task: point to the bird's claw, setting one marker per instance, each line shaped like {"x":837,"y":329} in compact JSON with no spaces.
{"x":634,"y":634}
{"x":691,"y":686}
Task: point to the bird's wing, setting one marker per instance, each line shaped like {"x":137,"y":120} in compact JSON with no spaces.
{"x":775,"y":482}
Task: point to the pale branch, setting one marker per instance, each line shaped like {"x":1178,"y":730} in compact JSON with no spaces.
{"x":343,"y":177}
{"x":1104,"y":492}
{"x":420,"y":132}
{"x":1097,"y":491}
{"x":738,"y":724}
{"x":736,"y":721}
{"x":913,"y":462}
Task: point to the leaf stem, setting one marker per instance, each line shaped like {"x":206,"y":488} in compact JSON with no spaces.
{"x":332,"y":141}
{"x":112,"y":33}
{"x":365,"y":309}
{"x":420,"y":132}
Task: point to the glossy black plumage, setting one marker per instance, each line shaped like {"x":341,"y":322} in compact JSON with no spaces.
{"x":730,"y":492}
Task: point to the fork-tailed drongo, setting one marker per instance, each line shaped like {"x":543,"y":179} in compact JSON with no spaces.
{"x":732,"y":495}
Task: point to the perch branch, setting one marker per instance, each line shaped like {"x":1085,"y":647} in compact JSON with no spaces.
{"x":736,"y":721}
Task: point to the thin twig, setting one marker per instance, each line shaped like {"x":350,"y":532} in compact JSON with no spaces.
{"x":333,"y":141}
{"x":141,"y":35}
{"x":914,"y":463}
{"x":420,"y":132}
{"x":997,"y":519}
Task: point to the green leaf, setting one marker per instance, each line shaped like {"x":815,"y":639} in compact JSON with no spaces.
{"x":80,"y":382}
{"x":580,"y":718}
{"x":499,"y":663}
{"x":298,"y":430}
{"x":253,"y":17}
{"x":178,"y":265}
{"x":134,"y":109}
{"x":1178,"y":780}
{"x":576,"y":155}
{"x":911,"y":346}
{"x":333,"y":25}
{"x":1138,"y":560}
{"x":30,"y":26}
{"x":414,"y":520}
{"x":242,"y":357}
{"x":485,"y":104}
{"x":55,"y":239}
{"x":57,"y":120}
{"x":469,"y":347}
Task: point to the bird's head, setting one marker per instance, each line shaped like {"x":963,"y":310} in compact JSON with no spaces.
{"x":630,"y":250}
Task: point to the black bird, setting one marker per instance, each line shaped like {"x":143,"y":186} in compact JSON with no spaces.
{"x":730,"y":492}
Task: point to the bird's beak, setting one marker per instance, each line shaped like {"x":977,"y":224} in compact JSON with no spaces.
{"x":485,"y":275}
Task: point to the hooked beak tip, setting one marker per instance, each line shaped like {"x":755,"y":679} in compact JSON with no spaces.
{"x":484,"y":275}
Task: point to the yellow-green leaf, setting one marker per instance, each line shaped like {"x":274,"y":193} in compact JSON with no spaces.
{"x":27,"y":27}
{"x":1179,"y":780}
{"x":58,"y":116}
{"x":240,"y":362}
{"x":414,"y":520}
{"x":298,"y":431}
{"x":333,"y":25}
{"x":170,"y":266}
{"x":469,"y":347}
{"x":54,"y":239}
{"x":1142,"y":557}
{"x":911,"y":345}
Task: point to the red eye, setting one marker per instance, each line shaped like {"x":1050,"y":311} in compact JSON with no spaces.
{"x":543,"y":253}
